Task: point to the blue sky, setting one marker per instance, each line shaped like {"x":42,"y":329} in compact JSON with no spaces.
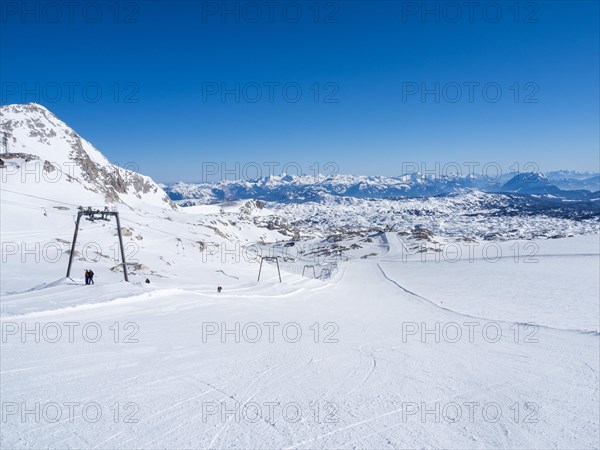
{"x":147,"y":81}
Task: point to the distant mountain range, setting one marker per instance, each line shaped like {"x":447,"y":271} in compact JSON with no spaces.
{"x":571,"y":180}
{"x":555,"y":186}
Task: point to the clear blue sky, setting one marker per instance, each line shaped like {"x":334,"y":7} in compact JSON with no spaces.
{"x":174,"y":58}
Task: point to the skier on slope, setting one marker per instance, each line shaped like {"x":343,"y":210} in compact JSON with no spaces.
{"x":91,"y":277}
{"x":87,"y":276}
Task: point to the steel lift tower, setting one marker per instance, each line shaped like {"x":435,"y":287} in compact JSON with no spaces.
{"x":97,"y":214}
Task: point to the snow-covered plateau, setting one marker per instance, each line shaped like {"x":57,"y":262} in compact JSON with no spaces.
{"x":463,"y":319}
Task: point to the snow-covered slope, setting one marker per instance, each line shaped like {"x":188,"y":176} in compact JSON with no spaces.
{"x":467,"y":214}
{"x":48,"y":156}
{"x":392,"y":354}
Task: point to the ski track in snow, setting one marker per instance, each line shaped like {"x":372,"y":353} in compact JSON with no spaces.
{"x":528,"y":324}
{"x":371,"y":369}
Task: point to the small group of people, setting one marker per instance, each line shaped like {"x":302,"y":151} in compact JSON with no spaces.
{"x":89,"y":276}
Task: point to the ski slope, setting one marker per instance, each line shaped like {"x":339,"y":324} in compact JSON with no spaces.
{"x":366,"y":380}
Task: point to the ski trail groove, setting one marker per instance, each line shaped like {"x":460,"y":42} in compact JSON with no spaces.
{"x":469,"y":316}
{"x":372,"y":368}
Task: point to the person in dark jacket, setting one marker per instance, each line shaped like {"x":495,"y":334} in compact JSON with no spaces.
{"x":87,"y":276}
{"x":91,"y":277}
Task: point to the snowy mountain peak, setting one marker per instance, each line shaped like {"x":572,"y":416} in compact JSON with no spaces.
{"x":526,"y":180}
{"x":45,"y":152}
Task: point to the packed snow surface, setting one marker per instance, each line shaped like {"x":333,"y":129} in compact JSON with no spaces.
{"x":390,"y":352}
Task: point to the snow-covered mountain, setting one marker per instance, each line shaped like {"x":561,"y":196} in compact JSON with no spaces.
{"x":47,"y":156}
{"x":527,"y":206}
{"x":527,"y":183}
{"x":571,"y":179}
{"x":535,"y":183}
{"x":293,"y":188}
{"x":299,"y":189}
